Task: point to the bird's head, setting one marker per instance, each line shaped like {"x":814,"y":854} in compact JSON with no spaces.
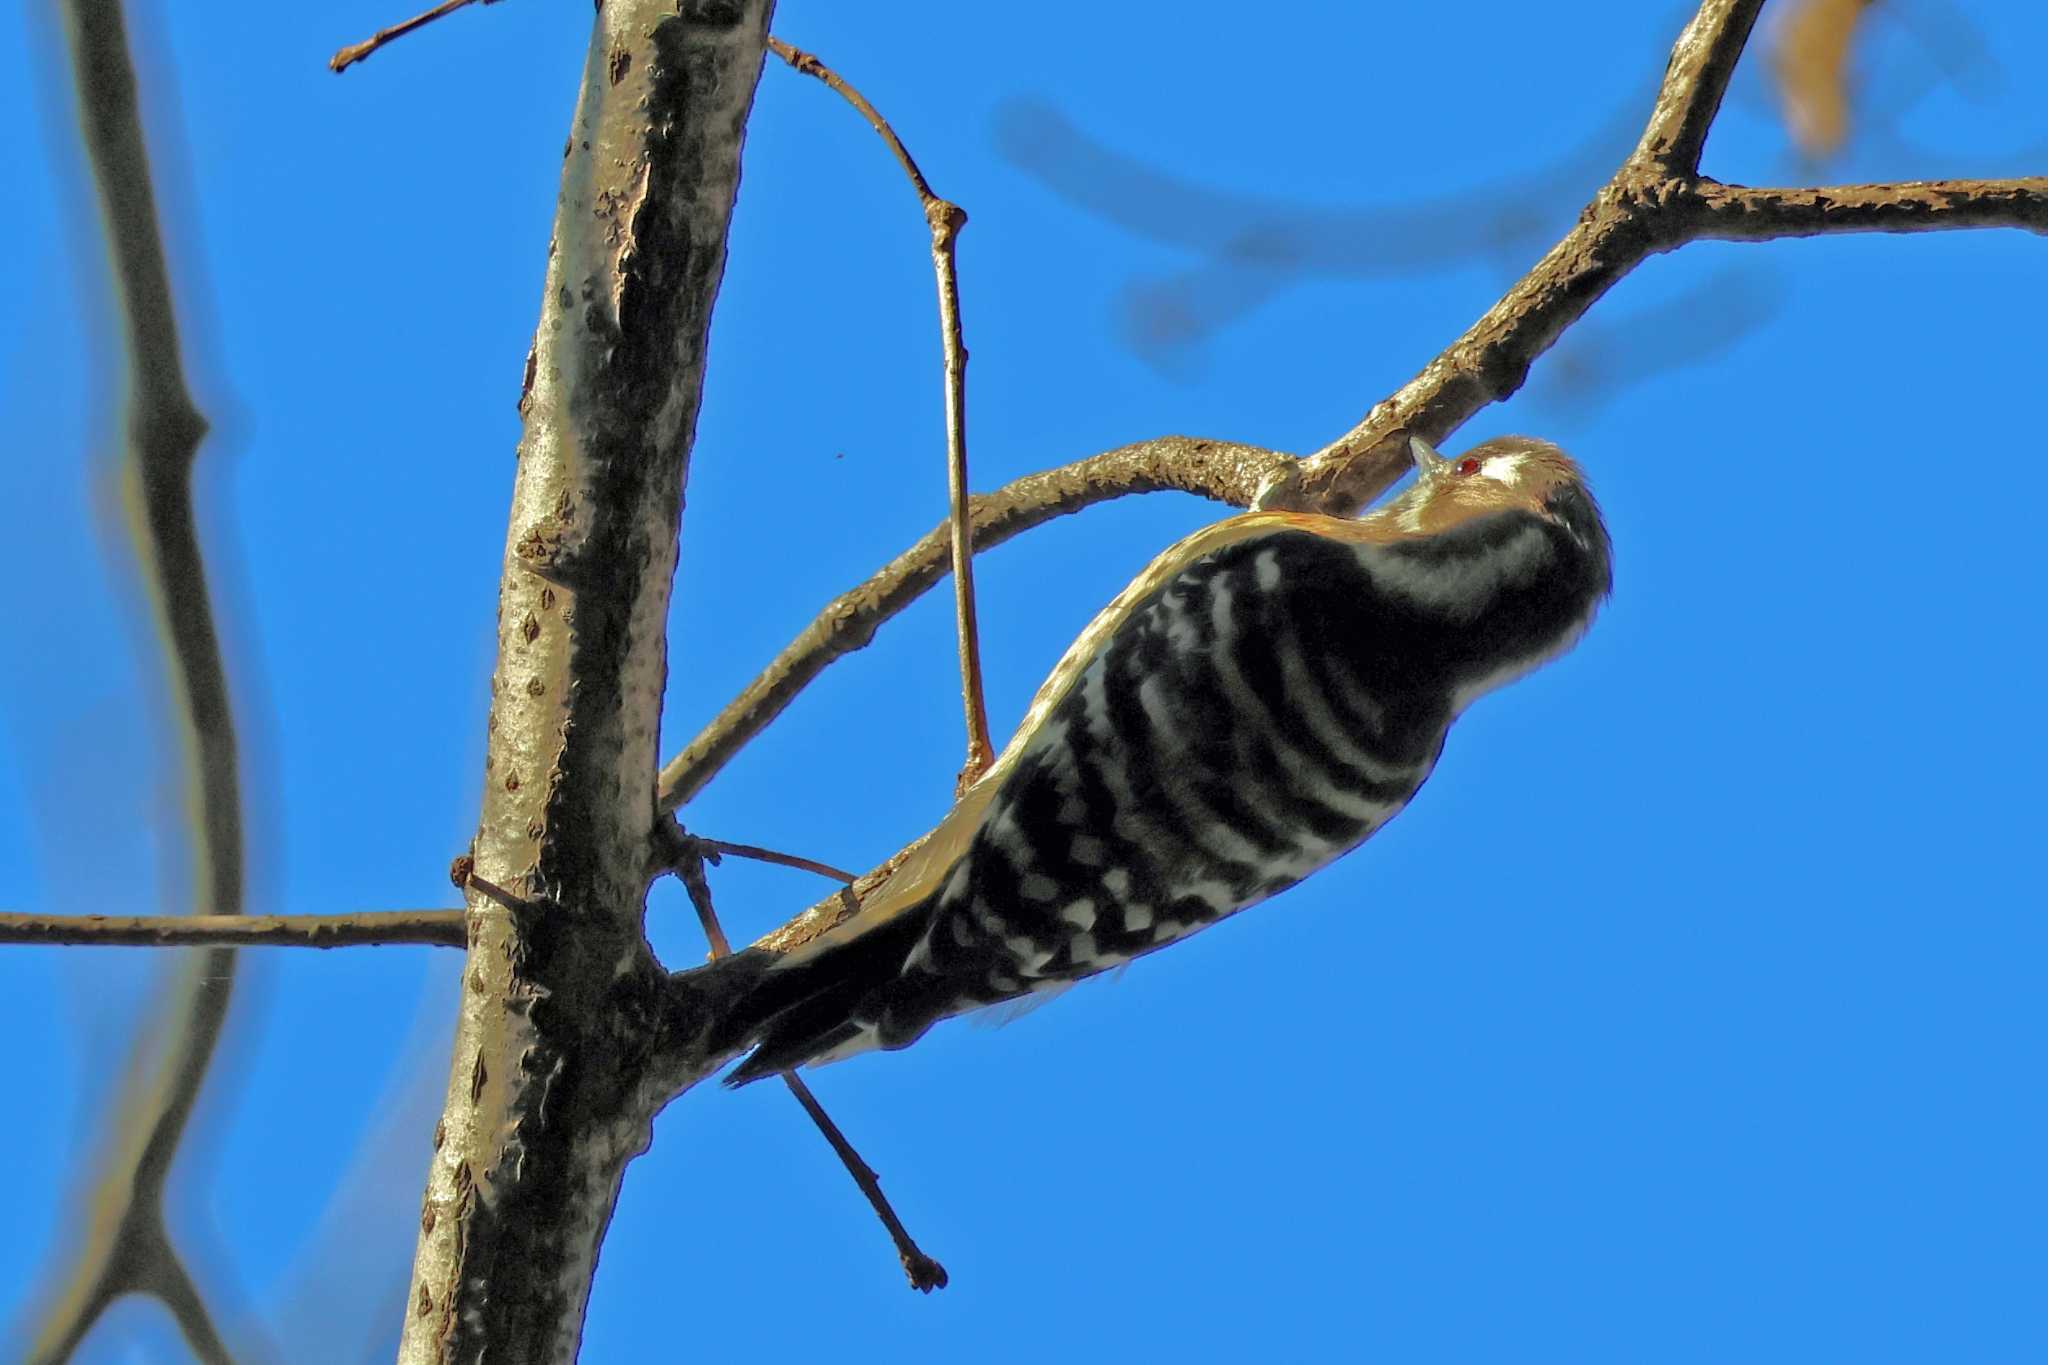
{"x":1503,"y":474}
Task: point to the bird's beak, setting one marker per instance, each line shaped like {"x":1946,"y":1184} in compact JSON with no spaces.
{"x":1427,"y":461}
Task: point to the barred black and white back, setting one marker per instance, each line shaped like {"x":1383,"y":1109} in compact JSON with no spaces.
{"x":1263,"y":697}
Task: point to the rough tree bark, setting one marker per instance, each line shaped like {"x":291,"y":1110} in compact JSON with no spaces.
{"x":544,"y":1103}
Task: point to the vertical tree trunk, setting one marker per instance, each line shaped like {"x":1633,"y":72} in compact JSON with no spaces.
{"x":545,"y":1102}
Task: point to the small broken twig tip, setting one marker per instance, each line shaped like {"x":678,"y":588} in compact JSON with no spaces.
{"x":348,"y":56}
{"x":925,"y":1274}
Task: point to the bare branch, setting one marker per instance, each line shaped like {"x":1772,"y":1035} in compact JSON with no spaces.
{"x":172,"y":1283}
{"x":689,"y":870}
{"x":1694,"y":83}
{"x":1743,"y":214}
{"x":1637,"y":214}
{"x":440,"y":928}
{"x":769,"y":855}
{"x":356,"y":52}
{"x":1223,"y":470}
{"x":945,"y":219}
{"x":809,"y":65}
{"x":925,"y":1274}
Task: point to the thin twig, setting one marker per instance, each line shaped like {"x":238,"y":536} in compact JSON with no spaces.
{"x":925,"y":1273}
{"x":355,"y":52}
{"x":769,"y":855}
{"x":690,"y":871}
{"x":809,"y":65}
{"x":439,"y":928}
{"x":945,"y":219}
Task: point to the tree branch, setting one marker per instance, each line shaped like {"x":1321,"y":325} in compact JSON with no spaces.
{"x":1641,"y":211}
{"x":441,"y":928}
{"x":945,"y":219}
{"x":1738,"y":213}
{"x":356,"y":52}
{"x":1702,"y":62}
{"x":924,"y":1273}
{"x":1223,"y":470}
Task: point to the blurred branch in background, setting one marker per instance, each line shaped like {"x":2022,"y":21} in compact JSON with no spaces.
{"x":1253,"y":247}
{"x":1604,"y":356}
{"x":1500,"y":221}
{"x":125,"y":1245}
{"x":343,"y":1297}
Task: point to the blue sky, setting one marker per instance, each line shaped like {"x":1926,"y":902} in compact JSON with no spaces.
{"x":1690,"y":1014}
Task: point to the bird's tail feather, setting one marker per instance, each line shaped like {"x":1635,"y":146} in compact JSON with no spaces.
{"x":799,"y":1013}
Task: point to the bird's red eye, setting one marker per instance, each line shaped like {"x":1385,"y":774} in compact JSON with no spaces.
{"x":1468,"y":465}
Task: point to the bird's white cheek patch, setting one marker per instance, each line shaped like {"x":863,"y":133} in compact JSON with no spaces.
{"x":1501,"y":468}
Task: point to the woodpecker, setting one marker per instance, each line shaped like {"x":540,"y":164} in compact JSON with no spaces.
{"x":1262,"y":698}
